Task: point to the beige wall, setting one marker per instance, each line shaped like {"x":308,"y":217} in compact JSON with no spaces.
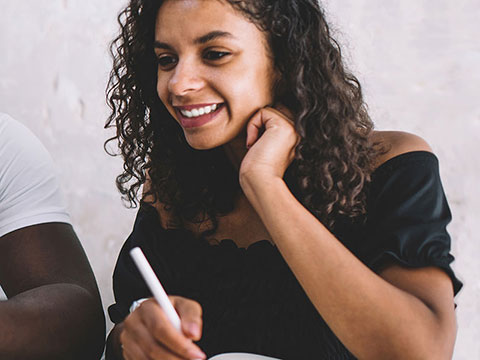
{"x":417,"y":59}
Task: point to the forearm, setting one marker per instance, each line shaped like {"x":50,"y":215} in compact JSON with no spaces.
{"x":373,"y":318}
{"x":58,"y":321}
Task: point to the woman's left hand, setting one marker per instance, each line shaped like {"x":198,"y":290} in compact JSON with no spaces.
{"x":270,"y":152}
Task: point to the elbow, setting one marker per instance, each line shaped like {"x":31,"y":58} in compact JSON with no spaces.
{"x":433,"y":348}
{"x":443,"y":341}
{"x":442,"y":337}
{"x":87,"y":341}
{"x":437,"y":343}
{"x":56,"y":321}
{"x":94,"y":329}
{"x":423,"y":351}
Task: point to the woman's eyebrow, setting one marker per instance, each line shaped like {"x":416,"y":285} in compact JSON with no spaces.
{"x":212,"y":35}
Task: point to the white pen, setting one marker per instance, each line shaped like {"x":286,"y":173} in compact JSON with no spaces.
{"x":155,"y":287}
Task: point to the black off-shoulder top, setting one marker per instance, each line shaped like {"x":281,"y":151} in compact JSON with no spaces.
{"x":251,"y":300}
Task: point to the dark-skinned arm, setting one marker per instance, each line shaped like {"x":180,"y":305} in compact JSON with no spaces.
{"x":54,"y":309}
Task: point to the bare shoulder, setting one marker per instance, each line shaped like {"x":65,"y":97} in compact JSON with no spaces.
{"x":395,"y":143}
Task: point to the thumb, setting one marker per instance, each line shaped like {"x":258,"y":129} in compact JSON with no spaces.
{"x":254,"y":128}
{"x":190,"y":313}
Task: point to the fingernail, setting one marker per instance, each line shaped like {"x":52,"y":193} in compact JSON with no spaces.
{"x":194,"y":329}
{"x":196,"y":354}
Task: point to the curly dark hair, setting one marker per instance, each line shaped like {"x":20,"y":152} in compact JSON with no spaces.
{"x":333,"y":161}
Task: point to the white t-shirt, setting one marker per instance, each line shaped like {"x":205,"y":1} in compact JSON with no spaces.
{"x":29,"y":189}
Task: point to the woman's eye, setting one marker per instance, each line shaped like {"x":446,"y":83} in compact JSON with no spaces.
{"x":166,"y":61}
{"x":215,"y":55}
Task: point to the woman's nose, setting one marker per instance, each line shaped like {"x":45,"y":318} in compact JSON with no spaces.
{"x":185,"y":79}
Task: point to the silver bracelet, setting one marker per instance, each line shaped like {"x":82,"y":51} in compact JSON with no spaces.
{"x":136,"y":304}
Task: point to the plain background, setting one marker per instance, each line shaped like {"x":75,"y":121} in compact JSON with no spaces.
{"x":418,"y":61}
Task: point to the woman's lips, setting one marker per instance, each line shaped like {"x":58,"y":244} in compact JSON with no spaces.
{"x":197,"y":121}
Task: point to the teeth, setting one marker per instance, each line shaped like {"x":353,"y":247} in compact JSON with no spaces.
{"x":199,"y":111}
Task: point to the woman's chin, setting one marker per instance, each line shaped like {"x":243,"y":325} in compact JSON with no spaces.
{"x":202,"y":144}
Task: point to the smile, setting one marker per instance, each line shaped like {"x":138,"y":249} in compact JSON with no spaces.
{"x":199,"y":111}
{"x":197,"y":115}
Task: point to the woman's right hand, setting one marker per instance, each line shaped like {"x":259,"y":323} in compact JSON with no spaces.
{"x":147,"y":333}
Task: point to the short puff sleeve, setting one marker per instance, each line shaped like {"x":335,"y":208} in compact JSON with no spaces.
{"x":407,"y":216}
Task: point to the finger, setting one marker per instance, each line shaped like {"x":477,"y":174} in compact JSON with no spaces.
{"x":163,"y":331}
{"x":136,"y":341}
{"x":190,"y":313}
{"x":128,"y":340}
{"x":127,"y":357}
{"x":283,"y":109}
{"x":165,"y":354}
{"x":136,"y":332}
{"x":255,"y":125}
{"x":132,"y":351}
{"x":148,"y":348}
{"x":284,"y":112}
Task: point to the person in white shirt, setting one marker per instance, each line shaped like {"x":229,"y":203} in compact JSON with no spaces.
{"x":53,"y":309}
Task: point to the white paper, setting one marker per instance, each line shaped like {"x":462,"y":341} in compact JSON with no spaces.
{"x":241,"y":356}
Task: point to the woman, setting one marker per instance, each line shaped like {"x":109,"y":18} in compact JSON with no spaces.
{"x":280,"y":222}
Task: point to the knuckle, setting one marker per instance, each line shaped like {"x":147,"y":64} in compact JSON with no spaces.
{"x":196,"y":306}
{"x":147,"y":304}
{"x":128,"y":323}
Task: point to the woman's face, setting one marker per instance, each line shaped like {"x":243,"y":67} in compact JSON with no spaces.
{"x":214,"y":69}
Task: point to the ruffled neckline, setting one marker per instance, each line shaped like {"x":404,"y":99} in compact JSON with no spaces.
{"x":226,"y":244}
{"x":230,"y":244}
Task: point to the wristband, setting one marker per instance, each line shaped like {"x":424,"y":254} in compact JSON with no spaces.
{"x":136,"y":304}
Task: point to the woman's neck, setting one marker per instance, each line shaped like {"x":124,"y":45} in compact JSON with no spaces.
{"x":236,"y":150}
